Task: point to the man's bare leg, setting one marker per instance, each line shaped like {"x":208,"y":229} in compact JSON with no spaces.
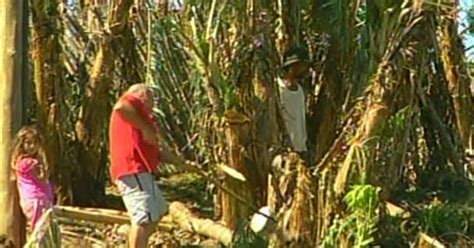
{"x":139,"y":235}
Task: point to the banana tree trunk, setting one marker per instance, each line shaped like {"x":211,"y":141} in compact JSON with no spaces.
{"x":339,"y":26}
{"x":251,"y":128}
{"x":48,"y":78}
{"x":373,"y":112}
{"x":11,"y":45}
{"x":96,"y":108}
{"x":334,"y":86}
{"x":380,"y":98}
{"x":237,"y":135}
{"x":456,"y":73}
{"x":289,"y":26}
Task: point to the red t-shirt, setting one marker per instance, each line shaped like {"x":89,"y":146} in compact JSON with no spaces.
{"x":129,"y":153}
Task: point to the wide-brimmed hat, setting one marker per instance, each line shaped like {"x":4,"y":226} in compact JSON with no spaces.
{"x":294,"y":55}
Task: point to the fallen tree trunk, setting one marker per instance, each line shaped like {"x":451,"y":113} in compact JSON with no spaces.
{"x":206,"y":227}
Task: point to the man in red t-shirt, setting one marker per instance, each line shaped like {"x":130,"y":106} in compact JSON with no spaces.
{"x":135,"y":156}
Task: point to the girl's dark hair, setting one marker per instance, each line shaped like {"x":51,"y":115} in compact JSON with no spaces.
{"x":18,"y":150}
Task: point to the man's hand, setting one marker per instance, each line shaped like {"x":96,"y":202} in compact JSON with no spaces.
{"x":169,"y":157}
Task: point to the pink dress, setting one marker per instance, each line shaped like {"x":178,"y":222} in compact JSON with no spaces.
{"x":36,"y":196}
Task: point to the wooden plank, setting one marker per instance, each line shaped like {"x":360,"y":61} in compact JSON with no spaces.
{"x":93,"y":214}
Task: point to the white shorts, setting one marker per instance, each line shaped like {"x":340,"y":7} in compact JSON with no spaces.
{"x":143,"y":199}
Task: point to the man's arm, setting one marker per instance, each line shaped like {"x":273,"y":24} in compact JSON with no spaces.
{"x":167,"y":156}
{"x":129,"y":113}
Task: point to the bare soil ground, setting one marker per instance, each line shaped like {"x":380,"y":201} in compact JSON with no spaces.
{"x":187,"y":188}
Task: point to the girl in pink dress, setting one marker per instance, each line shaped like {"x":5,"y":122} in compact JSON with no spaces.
{"x":32,"y":174}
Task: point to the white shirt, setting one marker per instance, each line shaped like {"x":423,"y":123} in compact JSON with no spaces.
{"x":294,"y":115}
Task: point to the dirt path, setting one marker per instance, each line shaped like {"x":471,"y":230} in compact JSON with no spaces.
{"x":187,"y":188}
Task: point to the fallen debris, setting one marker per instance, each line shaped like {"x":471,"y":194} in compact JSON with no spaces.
{"x":95,"y":226}
{"x":394,"y":210}
{"x":206,"y":227}
{"x":425,"y":241}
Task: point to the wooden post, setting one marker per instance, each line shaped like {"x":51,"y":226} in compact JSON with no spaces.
{"x":10,"y":114}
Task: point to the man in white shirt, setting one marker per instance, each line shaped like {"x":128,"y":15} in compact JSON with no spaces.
{"x":293,"y":111}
